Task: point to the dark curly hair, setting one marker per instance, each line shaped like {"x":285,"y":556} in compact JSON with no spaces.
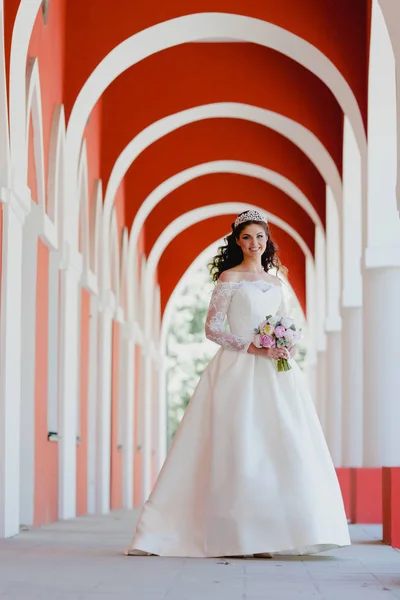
{"x":231,"y":254}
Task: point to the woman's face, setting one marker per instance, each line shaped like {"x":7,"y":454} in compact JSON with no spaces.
{"x":253,"y":240}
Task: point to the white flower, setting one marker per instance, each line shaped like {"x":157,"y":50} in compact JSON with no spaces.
{"x":257,"y":340}
{"x":289,"y":335}
{"x":287,"y":322}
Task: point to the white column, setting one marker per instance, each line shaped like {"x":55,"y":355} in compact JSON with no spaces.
{"x":333,"y":421}
{"x":352,"y":330}
{"x":147,"y":389}
{"x":391,"y":13}
{"x":69,"y":388}
{"x":92,"y":403}
{"x":104,"y":403}
{"x":381,"y":278}
{"x":128,"y":376}
{"x":352,"y":385}
{"x":381,"y":367}
{"x":14,"y":213}
{"x":28,"y":359}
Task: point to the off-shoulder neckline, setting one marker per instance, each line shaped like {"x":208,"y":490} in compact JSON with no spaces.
{"x":241,"y":281}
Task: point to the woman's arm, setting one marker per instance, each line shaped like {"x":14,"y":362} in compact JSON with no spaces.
{"x":219,"y":304}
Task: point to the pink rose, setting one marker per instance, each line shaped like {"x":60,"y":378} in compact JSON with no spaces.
{"x":267,"y":341}
{"x":279,"y":331}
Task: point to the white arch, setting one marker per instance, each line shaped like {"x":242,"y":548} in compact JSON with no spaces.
{"x":34,"y":106}
{"x":123,"y":294}
{"x":204,"y":26}
{"x":4,"y":131}
{"x":55,"y":180}
{"x":391,"y":13}
{"x":183,"y":177}
{"x":219,"y":166}
{"x":382,"y":225}
{"x":302,"y":137}
{"x":83,"y":191}
{"x":143,"y":299}
{"x":195,"y":216}
{"x":22,"y":31}
{"x":95,"y":227}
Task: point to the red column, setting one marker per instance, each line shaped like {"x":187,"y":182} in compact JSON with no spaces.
{"x":366,"y":504}
{"x":391,"y":505}
{"x":46,"y":453}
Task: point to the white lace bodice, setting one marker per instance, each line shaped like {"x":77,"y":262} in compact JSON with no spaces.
{"x":245,"y":304}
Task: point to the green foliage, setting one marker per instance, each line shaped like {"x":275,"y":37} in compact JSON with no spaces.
{"x":188,"y":350}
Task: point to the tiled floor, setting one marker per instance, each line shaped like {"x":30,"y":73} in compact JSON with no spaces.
{"x":83,"y":560}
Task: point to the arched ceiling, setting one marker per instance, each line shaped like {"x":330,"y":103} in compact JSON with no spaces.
{"x":221,"y":139}
{"x":227,"y":188}
{"x":339,"y":29}
{"x":192,"y":74}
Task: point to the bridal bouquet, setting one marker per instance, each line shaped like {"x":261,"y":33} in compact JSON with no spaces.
{"x":277,"y":332}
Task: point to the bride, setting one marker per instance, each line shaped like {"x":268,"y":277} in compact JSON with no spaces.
{"x":248,"y":472}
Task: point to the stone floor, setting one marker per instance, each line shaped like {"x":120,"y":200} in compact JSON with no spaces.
{"x":83,"y":560}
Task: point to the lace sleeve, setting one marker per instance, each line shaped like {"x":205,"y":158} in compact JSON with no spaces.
{"x":219,"y":304}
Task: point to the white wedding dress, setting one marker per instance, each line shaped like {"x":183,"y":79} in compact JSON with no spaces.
{"x":249,"y":470}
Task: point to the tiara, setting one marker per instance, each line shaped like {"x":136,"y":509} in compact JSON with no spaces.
{"x":250,"y":215}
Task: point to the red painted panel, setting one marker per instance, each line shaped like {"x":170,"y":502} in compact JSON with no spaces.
{"x":116,"y":454}
{"x":391,"y":505}
{"x":46,"y":453}
{"x":119,"y":204}
{"x":366,"y":495}
{"x":82,"y":448}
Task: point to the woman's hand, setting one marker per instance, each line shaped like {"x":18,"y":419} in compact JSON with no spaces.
{"x":292,"y":351}
{"x":273,"y":353}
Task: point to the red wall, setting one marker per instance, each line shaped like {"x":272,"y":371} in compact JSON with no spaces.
{"x":46,"y":453}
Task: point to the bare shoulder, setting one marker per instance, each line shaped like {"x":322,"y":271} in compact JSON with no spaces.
{"x":230,"y":275}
